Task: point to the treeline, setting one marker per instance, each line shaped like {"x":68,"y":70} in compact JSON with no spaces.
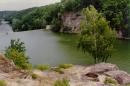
{"x":115,"y":11}
{"x":6,"y":14}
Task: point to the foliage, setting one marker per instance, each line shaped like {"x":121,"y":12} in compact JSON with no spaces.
{"x":70,"y":5}
{"x":63,"y":82}
{"x":116,"y":11}
{"x":36,"y":19}
{"x":110,"y":81}
{"x":34,"y":76}
{"x":2,"y":83}
{"x":65,"y":66}
{"x":96,"y":36}
{"x":16,"y":44}
{"x":42,"y":67}
{"x":59,"y":70}
{"x":16,"y":52}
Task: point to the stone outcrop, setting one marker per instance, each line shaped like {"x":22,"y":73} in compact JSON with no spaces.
{"x":121,"y":76}
{"x":9,"y":70}
{"x":71,"y":22}
{"x":103,"y":74}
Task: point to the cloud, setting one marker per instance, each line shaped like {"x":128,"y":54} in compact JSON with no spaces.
{"x":23,"y":4}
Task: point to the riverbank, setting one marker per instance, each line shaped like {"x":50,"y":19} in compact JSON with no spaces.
{"x":103,"y":74}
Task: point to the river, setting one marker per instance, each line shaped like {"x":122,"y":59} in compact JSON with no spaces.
{"x":46,"y":47}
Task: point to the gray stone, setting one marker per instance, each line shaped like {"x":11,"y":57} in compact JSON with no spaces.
{"x":121,"y":76}
{"x":101,"y":68}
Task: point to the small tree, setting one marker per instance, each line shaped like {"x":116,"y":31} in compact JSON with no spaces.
{"x":16,"y":52}
{"x":96,"y":36}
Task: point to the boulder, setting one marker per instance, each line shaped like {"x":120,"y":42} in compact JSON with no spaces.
{"x":121,"y":76}
{"x":100,"y":68}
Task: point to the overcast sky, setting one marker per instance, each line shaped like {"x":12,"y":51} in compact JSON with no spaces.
{"x":23,"y":4}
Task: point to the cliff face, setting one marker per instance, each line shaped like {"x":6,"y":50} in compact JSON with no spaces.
{"x":103,"y":74}
{"x":71,"y":22}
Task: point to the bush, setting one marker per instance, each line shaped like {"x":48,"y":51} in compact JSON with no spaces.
{"x":2,"y":83}
{"x":110,"y":81}
{"x":34,"y":76}
{"x":59,"y":70}
{"x":42,"y":67}
{"x":65,"y":66}
{"x":16,"y":53}
{"x":62,"y":83}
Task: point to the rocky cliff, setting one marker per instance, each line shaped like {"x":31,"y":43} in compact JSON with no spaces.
{"x":103,"y":74}
{"x":71,"y":22}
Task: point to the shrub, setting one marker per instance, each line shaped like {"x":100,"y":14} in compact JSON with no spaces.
{"x":65,"y":66}
{"x":42,"y":67}
{"x":2,"y":83}
{"x":34,"y":76}
{"x":16,"y":52}
{"x":110,"y":81}
{"x":59,"y":70}
{"x":62,"y":83}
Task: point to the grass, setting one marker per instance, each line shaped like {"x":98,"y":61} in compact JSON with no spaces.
{"x":110,"y":81}
{"x":34,"y":76}
{"x":59,"y":70}
{"x":65,"y":66}
{"x":2,"y":83}
{"x":42,"y":67}
{"x":63,"y":82}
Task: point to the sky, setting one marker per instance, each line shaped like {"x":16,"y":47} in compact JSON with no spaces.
{"x":23,"y":4}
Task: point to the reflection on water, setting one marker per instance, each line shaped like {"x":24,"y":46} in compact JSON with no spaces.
{"x":45,"y":47}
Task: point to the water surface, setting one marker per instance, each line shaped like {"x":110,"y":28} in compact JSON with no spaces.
{"x":45,"y":47}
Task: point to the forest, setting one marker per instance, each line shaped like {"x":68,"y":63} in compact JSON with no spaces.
{"x":116,"y":12}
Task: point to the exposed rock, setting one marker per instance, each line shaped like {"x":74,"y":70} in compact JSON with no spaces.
{"x":101,"y":68}
{"x":77,"y":75}
{"x":22,"y":82}
{"x":6,"y":66}
{"x":9,"y":70}
{"x":89,"y":83}
{"x":121,"y":76}
{"x":71,"y":22}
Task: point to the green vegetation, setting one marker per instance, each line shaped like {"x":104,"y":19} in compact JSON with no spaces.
{"x":110,"y":81}
{"x":125,"y":85}
{"x":96,"y":36}
{"x":59,"y":70}
{"x":63,"y":82}
{"x":42,"y":67}
{"x":16,"y":52}
{"x":2,"y":83}
{"x":6,"y":14}
{"x":65,"y":66}
{"x":117,"y":12}
{"x":34,"y":76}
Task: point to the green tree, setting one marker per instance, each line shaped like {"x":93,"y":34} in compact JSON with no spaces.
{"x":16,"y":52}
{"x":117,"y":12}
{"x":96,"y":36}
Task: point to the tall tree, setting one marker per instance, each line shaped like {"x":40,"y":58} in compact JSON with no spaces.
{"x":96,"y":36}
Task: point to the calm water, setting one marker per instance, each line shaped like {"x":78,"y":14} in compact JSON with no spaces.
{"x":45,"y":47}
